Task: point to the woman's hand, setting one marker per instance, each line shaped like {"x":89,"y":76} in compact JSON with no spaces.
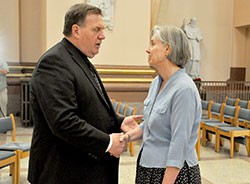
{"x":171,"y":174}
{"x":130,"y":123}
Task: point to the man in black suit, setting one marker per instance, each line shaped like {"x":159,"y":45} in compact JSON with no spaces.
{"x":76,"y":131}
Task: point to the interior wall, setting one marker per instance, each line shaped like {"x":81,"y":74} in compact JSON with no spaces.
{"x":9,"y":30}
{"x":55,"y":11}
{"x":241,"y":36}
{"x":43,"y":20}
{"x":124,"y":45}
{"x":241,"y":13}
{"x":31,"y":27}
{"x":247,"y":54}
{"x":239,"y":47}
{"x":214,"y":18}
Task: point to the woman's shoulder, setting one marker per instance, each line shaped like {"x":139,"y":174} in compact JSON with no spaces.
{"x":184,"y":82}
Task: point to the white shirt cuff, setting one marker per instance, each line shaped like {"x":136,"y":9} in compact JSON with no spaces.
{"x":110,"y":143}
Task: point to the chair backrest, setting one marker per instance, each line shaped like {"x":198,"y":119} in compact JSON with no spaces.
{"x":244,"y":114}
{"x":231,"y":114}
{"x":130,"y":111}
{"x":209,"y":109}
{"x":5,"y":124}
{"x":232,"y":101}
{"x":116,"y":106}
{"x":8,"y":124}
{"x":229,"y":110}
{"x":204,"y":104}
{"x":122,"y":109}
{"x":225,"y":99}
{"x":216,"y":111}
{"x":112,"y":101}
{"x":244,"y":104}
{"x":216,"y":107}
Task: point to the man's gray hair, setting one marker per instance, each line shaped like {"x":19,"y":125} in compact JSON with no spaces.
{"x":176,"y":39}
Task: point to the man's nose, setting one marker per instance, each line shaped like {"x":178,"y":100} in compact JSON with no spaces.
{"x":101,"y":36}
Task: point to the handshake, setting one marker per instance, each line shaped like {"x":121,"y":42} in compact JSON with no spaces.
{"x":120,"y":140}
{"x":119,"y":144}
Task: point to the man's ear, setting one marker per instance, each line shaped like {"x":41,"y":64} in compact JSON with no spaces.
{"x":75,"y":30}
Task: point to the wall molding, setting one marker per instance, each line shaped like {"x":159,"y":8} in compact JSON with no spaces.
{"x":123,"y":83}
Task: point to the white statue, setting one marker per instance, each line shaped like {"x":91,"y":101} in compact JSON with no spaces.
{"x":194,"y":35}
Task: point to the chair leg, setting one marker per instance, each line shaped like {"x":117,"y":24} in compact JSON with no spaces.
{"x":236,"y":147}
{"x":19,"y":152}
{"x":248,"y":145}
{"x":198,"y":143}
{"x":217,"y":142}
{"x":197,"y":147}
{"x":231,"y":147}
{"x":203,"y":140}
{"x":221,"y":142}
{"x":11,"y":169}
{"x":131,"y":148}
{"x":209,"y":137}
{"x":14,"y":173}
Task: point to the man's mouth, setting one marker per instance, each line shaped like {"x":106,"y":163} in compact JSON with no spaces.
{"x":98,"y":45}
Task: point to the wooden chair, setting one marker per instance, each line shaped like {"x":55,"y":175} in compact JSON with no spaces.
{"x":112,"y":101}
{"x":235,"y":134}
{"x":216,"y":111}
{"x":206,"y":106}
{"x":9,"y":158}
{"x":210,"y":126}
{"x":122,"y":109}
{"x":198,"y":143}
{"x":244,"y":118}
{"x":244,"y":104}
{"x":225,"y":99}
{"x":22,"y":149}
{"x":116,"y":106}
{"x":231,"y":101}
{"x":129,"y":112}
{"x":230,"y":114}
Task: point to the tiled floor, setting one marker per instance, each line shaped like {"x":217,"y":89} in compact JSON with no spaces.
{"x":216,"y":168}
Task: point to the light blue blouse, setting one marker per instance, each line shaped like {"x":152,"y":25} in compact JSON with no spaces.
{"x":171,"y":122}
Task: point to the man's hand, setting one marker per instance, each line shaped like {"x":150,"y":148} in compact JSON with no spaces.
{"x":117,"y":146}
{"x":125,"y":137}
{"x":130,"y":123}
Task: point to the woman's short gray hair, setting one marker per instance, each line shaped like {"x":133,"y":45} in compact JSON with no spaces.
{"x":176,"y":39}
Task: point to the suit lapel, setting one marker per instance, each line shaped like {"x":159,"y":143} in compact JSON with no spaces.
{"x":83,"y":65}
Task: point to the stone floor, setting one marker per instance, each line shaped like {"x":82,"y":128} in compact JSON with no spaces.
{"x":216,"y":168}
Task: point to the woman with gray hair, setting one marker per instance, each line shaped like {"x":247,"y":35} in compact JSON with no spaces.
{"x":172,"y":113}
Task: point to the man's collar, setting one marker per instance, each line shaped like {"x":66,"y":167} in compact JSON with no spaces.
{"x":85,"y":58}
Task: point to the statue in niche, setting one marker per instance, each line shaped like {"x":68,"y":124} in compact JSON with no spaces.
{"x":194,"y":36}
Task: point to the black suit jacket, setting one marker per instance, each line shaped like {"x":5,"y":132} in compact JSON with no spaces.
{"x":72,"y":122}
